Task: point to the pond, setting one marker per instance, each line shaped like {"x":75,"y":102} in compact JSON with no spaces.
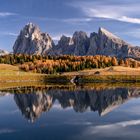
{"x":70,"y":114}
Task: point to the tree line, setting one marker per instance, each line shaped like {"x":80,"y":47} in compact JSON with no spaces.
{"x":65,"y":63}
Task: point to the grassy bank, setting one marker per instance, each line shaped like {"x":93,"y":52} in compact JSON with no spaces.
{"x":16,"y":85}
{"x":109,"y":78}
{"x":30,"y":87}
{"x":116,"y":70}
{"x":12,"y":74}
{"x":35,"y":78}
{"x":9,"y":73}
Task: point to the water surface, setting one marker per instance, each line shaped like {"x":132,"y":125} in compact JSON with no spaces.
{"x":74,"y":114}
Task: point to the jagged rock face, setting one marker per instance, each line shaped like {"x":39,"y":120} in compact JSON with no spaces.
{"x":93,"y":45}
{"x":2,"y":52}
{"x":134,"y":52}
{"x":65,"y":46}
{"x":77,"y":45}
{"x":101,"y":43}
{"x":105,"y":43}
{"x":81,"y":43}
{"x":65,"y":41}
{"x":32,"y":41}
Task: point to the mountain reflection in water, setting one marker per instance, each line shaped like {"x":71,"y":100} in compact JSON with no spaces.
{"x":35,"y":101}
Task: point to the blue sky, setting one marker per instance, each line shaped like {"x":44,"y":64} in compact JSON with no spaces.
{"x":57,"y":17}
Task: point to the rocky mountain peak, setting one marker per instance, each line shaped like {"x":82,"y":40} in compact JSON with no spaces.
{"x":65,"y":41}
{"x":32,"y":41}
{"x":31,"y":26}
{"x":79,"y":35}
{"x":93,"y":34}
{"x":106,"y":43}
{"x":105,"y":32}
{"x":81,"y":42}
{"x":30,"y":29}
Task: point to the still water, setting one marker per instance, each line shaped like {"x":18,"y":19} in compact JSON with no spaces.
{"x":70,"y":114}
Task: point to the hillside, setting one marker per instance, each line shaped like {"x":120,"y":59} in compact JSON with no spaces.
{"x":115,"y":70}
{"x":10,"y":73}
{"x":6,"y":70}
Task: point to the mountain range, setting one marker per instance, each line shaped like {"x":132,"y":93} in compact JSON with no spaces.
{"x":32,"y":41}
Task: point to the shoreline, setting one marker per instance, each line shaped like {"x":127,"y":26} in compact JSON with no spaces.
{"x":70,"y":78}
{"x":71,"y":87}
{"x":65,"y":81}
{"x":10,"y":74}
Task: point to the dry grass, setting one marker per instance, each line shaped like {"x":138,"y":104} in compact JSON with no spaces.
{"x":12,"y":73}
{"x":6,"y":70}
{"x":9,"y":70}
{"x":116,"y":70}
{"x":10,"y":67}
{"x":11,"y":85}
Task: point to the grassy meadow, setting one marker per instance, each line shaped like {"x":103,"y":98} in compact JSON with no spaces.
{"x":12,"y":76}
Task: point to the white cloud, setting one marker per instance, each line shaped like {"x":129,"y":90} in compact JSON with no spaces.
{"x":10,"y":112}
{"x":131,"y":33}
{"x":65,"y":20}
{"x":111,"y":15}
{"x":110,"y":129}
{"x":9,"y":34}
{"x":121,"y":13}
{"x":119,"y":124}
{"x":58,"y":36}
{"x":75,"y":122}
{"x":119,"y":130}
{"x":59,"y":107}
{"x":129,"y":19}
{"x":5,"y":14}
{"x":2,"y":131}
{"x":77,"y":20}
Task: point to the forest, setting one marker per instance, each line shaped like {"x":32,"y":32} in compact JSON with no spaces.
{"x":65,"y":63}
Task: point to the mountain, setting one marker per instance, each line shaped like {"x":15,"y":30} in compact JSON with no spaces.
{"x":32,"y":41}
{"x":77,"y":45}
{"x":2,"y":52}
{"x":106,"y":43}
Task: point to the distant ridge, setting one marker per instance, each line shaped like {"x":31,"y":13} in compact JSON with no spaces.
{"x":32,"y":41}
